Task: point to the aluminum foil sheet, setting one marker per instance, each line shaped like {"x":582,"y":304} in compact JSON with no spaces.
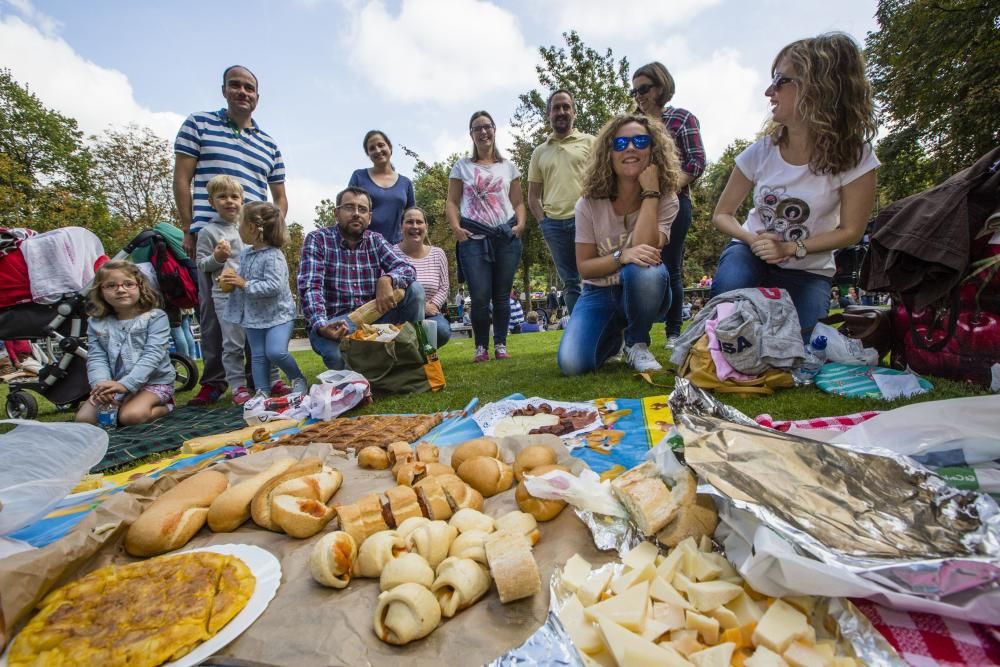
{"x":550,"y":645}
{"x":873,"y":512}
{"x":611,"y":533}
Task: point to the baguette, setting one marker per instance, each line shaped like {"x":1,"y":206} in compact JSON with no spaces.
{"x":650,"y":502}
{"x":173,"y":518}
{"x":433,"y":501}
{"x":695,"y":521}
{"x":260,"y":506}
{"x":512,"y":566}
{"x":402,"y":503}
{"x":259,"y":433}
{"x":232,"y":507}
{"x":300,"y":517}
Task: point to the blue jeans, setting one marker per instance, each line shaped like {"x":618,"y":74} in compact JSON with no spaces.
{"x":560,"y":237}
{"x":410,"y":309}
{"x":604,"y":315}
{"x":810,"y":292}
{"x":270,"y":346}
{"x":490,"y":282}
{"x":443,"y":328}
{"x":673,"y":258}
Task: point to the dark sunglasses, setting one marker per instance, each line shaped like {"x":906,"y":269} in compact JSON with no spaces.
{"x":642,"y":90}
{"x":640,"y":141}
{"x":780,"y":80}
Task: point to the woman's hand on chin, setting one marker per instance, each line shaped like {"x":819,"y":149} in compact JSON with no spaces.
{"x":649,"y":179}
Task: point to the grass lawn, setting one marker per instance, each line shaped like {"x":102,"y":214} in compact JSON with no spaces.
{"x":532,"y":371}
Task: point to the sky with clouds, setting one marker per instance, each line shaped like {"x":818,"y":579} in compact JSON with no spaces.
{"x":330,"y":70}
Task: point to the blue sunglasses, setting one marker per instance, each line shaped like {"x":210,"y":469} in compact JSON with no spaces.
{"x":640,"y":141}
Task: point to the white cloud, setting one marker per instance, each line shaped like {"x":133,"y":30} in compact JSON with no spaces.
{"x":441,"y":52}
{"x":45,"y":23}
{"x":635,"y":18}
{"x":304,"y":195}
{"x":65,"y":81}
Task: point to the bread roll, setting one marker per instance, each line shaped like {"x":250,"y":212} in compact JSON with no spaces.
{"x":300,"y":517}
{"x":512,"y":566}
{"x":541,"y":508}
{"x":471,"y":448}
{"x":460,"y":495}
{"x":408,"y":568}
{"x":362,"y":518}
{"x":332,"y":559}
{"x":520,"y":523}
{"x":648,"y":500}
{"x":530,"y":457}
{"x":411,"y":472}
{"x":698,"y":520}
{"x":427,"y":453}
{"x":459,"y":583}
{"x":432,"y":541}
{"x":469,"y":519}
{"x":402,"y":504}
{"x":349,"y":517}
{"x":260,"y":506}
{"x":486,"y":475}
{"x":319,"y":486}
{"x":411,"y":524}
{"x":405,"y":613}
{"x":433,"y":501}
{"x":399,"y":452}
{"x":472,"y":545}
{"x":173,"y":518}
{"x":232,"y":507}
{"x":225,"y":286}
{"x":373,"y":458}
{"x":376,"y":551}
{"x":371,"y":514}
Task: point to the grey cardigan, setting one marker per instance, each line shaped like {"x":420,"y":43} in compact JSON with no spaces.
{"x":134,"y":352}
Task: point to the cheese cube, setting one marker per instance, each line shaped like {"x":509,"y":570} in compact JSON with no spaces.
{"x":701,"y":568}
{"x":780,"y":625}
{"x":728,"y":571}
{"x":717,"y":656}
{"x":581,"y":630}
{"x":670,"y":615}
{"x":741,"y":636}
{"x":628,"y":609}
{"x":804,"y":603}
{"x":765,"y":657}
{"x":575,"y":572}
{"x":681,"y":582}
{"x":654,"y":629}
{"x":633,"y":577}
{"x":643,"y":654}
{"x":727,"y":619}
{"x":826,"y":647}
{"x":746,"y":609}
{"x":800,"y":655}
{"x":662,"y":591}
{"x":685,"y":642}
{"x":705,"y":544}
{"x":671,"y":564}
{"x":602,"y":659}
{"x":708,"y":595}
{"x":620,"y":642}
{"x":641,"y":556}
{"x":707,"y":627}
{"x":594,"y":587}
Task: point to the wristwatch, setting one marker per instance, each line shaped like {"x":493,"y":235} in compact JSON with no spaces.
{"x":617,"y":254}
{"x":800,"y":249}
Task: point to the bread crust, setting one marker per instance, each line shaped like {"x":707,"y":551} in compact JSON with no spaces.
{"x":172,"y":519}
{"x":232,"y":507}
{"x":260,"y":506}
{"x":486,"y":475}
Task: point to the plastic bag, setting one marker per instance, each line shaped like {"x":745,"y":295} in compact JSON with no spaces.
{"x":260,"y":409}
{"x":338,"y":392}
{"x":42,"y":462}
{"x":845,"y":350}
{"x":585,"y":492}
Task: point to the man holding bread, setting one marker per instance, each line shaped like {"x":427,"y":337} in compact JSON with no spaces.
{"x":347,"y":265}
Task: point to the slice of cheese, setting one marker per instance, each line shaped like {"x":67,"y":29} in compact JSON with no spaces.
{"x":705,"y":544}
{"x":728,"y":571}
{"x":654,"y":628}
{"x":800,"y":655}
{"x":717,"y":656}
{"x":700,"y":567}
{"x":670,"y":615}
{"x":628,"y":609}
{"x":592,"y":590}
{"x":685,"y":642}
{"x":727,"y":619}
{"x":583,"y":633}
{"x":633,"y":577}
{"x":765,"y":657}
{"x":675,"y":560}
{"x":781,"y":625}
{"x":620,"y":641}
{"x":641,"y":556}
{"x":741,"y":636}
{"x":746,"y":610}
{"x":707,"y":595}
{"x":681,"y":582}
{"x":707,"y":627}
{"x":575,"y":573}
{"x":652,"y":655}
{"x":602,"y":659}
{"x":523,"y":424}
{"x":661,"y":591}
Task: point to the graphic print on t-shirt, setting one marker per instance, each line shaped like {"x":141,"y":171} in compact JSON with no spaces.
{"x":485,"y":196}
{"x":783,"y":215}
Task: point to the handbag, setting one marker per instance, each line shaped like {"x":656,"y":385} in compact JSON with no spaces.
{"x":869,"y":324}
{"x":699,"y":369}
{"x":397,"y":366}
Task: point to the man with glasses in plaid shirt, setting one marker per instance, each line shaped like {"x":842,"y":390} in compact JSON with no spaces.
{"x":345,"y":266}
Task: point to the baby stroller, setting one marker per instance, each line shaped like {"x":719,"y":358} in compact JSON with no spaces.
{"x":44,"y":283}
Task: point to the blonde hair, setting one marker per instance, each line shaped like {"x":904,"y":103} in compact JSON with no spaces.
{"x":148,"y":297}
{"x":834,"y":100}
{"x":600,"y":181}
{"x":266,"y":218}
{"x":223,"y":183}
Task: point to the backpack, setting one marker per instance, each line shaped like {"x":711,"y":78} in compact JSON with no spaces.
{"x":699,"y":369}
{"x":177,"y":278}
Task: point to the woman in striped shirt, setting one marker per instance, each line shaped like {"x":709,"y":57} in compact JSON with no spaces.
{"x":431,"y":265}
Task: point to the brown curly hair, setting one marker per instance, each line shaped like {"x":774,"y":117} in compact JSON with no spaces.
{"x":834,"y":99}
{"x":149,"y":298}
{"x":266,"y":218}
{"x":600,"y":182}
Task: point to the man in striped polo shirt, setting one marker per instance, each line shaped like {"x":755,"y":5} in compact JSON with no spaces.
{"x":227,"y":141}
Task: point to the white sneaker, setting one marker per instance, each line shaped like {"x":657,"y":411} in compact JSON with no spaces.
{"x":641,"y":359}
{"x":671,"y":342}
{"x":300,"y":386}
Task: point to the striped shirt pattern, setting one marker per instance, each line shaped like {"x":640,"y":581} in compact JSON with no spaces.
{"x":516,"y":313}
{"x":432,"y":274}
{"x":249,"y":155}
{"x":334,"y":279}
{"x":686,"y":131}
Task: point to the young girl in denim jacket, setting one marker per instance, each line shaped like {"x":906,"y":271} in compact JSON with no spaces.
{"x":262,"y":303}
{"x":128,"y":363}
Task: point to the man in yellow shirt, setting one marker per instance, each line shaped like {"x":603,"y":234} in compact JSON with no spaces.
{"x":554,"y":183}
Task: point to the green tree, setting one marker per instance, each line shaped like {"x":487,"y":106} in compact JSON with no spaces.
{"x":933,"y":65}
{"x":293,"y":253}
{"x":326,"y":213}
{"x":430,"y":186}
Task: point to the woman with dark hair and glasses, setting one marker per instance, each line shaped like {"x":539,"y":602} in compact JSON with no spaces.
{"x":652,"y":89}
{"x":486,"y":213}
{"x":812,"y":177}
{"x":391,"y":193}
{"x":623,"y":220}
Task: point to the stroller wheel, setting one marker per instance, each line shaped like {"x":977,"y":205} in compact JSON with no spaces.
{"x":21,"y":405}
{"x":187,"y":372}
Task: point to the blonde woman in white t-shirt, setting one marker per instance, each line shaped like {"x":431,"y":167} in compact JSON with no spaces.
{"x":812,"y":177}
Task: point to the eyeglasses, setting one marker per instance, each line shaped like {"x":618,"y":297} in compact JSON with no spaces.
{"x":780,"y":80}
{"x":127,"y":284}
{"x":485,"y":129}
{"x":640,"y":141}
{"x":354,"y":208}
{"x":642,"y":90}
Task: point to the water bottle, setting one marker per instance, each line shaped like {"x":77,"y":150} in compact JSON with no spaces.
{"x":815,"y":352}
{"x":107,"y":416}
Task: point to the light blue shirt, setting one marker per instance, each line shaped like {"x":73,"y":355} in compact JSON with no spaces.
{"x":266,"y":301}
{"x":134,"y":352}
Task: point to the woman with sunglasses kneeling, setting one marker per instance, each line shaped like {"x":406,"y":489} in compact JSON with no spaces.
{"x":623,"y":219}
{"x":812,"y":176}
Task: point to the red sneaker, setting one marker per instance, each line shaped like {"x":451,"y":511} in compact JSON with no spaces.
{"x":500,"y":352}
{"x":207,"y":394}
{"x":279,"y":388}
{"x":241,"y":395}
{"x":481,"y":355}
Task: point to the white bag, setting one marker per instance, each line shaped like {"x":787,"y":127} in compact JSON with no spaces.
{"x":260,"y":409}
{"x":42,"y":462}
{"x":845,"y":350}
{"x":338,"y":392}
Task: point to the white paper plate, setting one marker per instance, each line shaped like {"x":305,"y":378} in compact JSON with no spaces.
{"x":488,"y":416}
{"x":265,"y":567}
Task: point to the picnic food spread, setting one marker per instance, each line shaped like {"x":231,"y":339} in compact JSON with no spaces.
{"x":360,"y":432}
